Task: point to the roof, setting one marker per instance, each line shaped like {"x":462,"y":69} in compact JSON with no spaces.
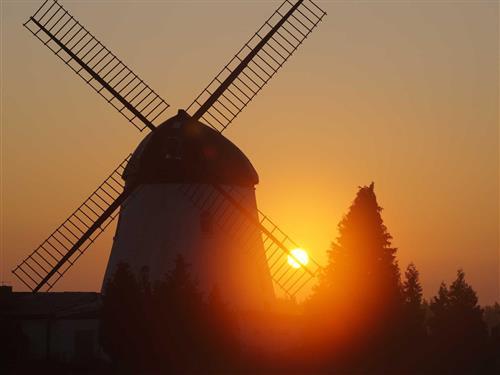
{"x":50,"y":304}
{"x":182,"y":150}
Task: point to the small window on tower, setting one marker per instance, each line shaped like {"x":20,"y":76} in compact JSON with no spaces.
{"x":206,"y":224}
{"x":172,"y":149}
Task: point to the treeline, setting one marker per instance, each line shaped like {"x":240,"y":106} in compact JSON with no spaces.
{"x":167,"y":327}
{"x":378,"y":321}
{"x":362,"y":317}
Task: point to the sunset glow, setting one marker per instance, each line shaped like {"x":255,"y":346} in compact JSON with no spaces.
{"x":423,"y":129}
{"x":225,"y":210}
{"x":298,"y":258}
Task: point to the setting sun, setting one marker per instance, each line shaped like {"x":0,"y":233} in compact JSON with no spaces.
{"x":298,"y":258}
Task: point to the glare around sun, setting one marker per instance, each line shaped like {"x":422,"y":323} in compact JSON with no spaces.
{"x":298,"y":258}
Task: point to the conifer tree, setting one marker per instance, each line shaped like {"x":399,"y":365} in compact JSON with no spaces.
{"x":412,"y":290}
{"x":413,"y":335}
{"x":122,"y":322}
{"x":222,"y":331}
{"x":362,"y":273}
{"x":457,"y":328}
{"x":167,"y":328}
{"x":358,"y":299}
{"x":414,"y":313}
{"x":179,"y":310}
{"x":491,"y":316}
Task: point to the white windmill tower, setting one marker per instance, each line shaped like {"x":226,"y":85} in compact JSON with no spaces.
{"x":186,"y":189}
{"x":161,"y":221}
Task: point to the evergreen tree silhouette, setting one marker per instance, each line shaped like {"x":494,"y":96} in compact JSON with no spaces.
{"x":414,"y":313}
{"x":195,"y":335}
{"x":122,"y":321}
{"x":179,"y":309}
{"x":222,"y":327}
{"x":145,"y":339}
{"x":168,"y":327}
{"x":491,"y":316}
{"x":457,"y":329}
{"x":359,"y":293}
{"x":413,"y":338}
{"x":362,"y":269}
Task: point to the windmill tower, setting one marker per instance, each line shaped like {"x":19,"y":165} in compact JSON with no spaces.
{"x":186,"y":189}
{"x":160,"y":220}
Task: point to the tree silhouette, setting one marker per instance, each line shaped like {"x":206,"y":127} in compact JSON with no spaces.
{"x":122,"y":320}
{"x":414,"y":313}
{"x":413,"y":335}
{"x":362,"y":269}
{"x":491,"y":315}
{"x":179,"y":320}
{"x":360,"y":318}
{"x":457,"y":328}
{"x":168,"y":327}
{"x":222,"y":331}
{"x":359,"y":294}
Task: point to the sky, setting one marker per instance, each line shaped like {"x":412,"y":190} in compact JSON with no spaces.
{"x":402,"y":93}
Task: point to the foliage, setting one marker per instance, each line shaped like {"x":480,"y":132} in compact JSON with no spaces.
{"x":414,"y":311}
{"x":457,"y":329}
{"x":362,"y":262}
{"x":122,"y":322}
{"x":361,"y":318}
{"x":491,"y":316}
{"x":359,"y":296}
{"x":169,"y":326}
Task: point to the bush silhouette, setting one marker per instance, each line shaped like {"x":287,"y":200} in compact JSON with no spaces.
{"x":169,"y":327}
{"x":361,"y":317}
{"x":457,"y":328}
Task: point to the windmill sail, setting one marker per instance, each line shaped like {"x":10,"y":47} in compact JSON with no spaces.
{"x":55,"y":27}
{"x":255,"y":63}
{"x":228,"y":94}
{"x":228,"y":208}
{"x":218,"y":105}
{"x":52,"y":259}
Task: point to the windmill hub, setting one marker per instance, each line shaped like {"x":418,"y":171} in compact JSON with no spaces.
{"x":182,"y":150}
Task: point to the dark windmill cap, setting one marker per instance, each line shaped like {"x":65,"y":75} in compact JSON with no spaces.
{"x":182,"y":150}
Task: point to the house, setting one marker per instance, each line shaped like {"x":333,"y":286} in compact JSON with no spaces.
{"x":56,"y":326}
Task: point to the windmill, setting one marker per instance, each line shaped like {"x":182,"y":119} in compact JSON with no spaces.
{"x":186,"y":188}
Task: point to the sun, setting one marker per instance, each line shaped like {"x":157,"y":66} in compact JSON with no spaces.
{"x":298,"y":258}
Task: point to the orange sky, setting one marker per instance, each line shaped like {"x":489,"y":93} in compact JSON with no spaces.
{"x":397,"y":92}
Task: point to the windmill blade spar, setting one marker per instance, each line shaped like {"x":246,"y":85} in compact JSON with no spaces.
{"x":255,"y":63}
{"x":52,"y":259}
{"x":55,"y":27}
{"x":222,"y":101}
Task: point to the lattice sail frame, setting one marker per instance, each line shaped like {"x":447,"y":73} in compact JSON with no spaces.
{"x":33,"y":269}
{"x":55,"y":27}
{"x":111,"y":74}
{"x":228,"y":94}
{"x":262,"y":67}
{"x":235,"y":218}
